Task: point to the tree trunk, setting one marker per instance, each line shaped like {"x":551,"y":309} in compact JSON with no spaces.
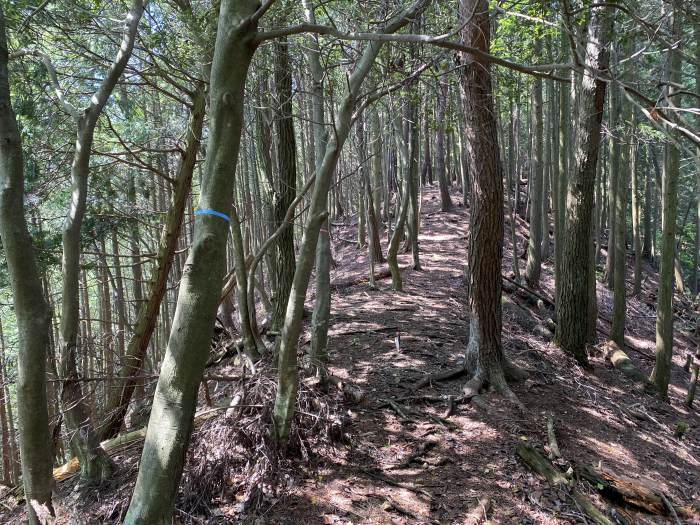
{"x":648,"y":193}
{"x":95,"y":464}
{"x":564,"y":141}
{"x":445,"y":200}
{"x":615,"y":173}
{"x":31,"y":310}
{"x":407,"y":164}
{"x":571,"y":333}
{"x":534,"y":247}
{"x":320,"y":319}
{"x":145,"y":324}
{"x":286,"y":187}
{"x":661,"y":373}
{"x":484,"y":356}
{"x":617,"y":333}
{"x":175,"y":399}
{"x":288,"y":375}
{"x":636,"y":237}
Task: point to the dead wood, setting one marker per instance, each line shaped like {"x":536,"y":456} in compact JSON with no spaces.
{"x":623,"y":363}
{"x":479,"y":513}
{"x":383,"y":273}
{"x":532,"y":293}
{"x":450,"y":407}
{"x":622,"y":489}
{"x":557,"y":480}
{"x":351,"y":391}
{"x":553,"y":445}
{"x":420,"y":451}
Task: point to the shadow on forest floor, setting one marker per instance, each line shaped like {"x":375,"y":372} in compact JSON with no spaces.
{"x":470,"y":454}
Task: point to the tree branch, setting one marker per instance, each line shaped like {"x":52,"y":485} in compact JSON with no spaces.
{"x":437,"y":41}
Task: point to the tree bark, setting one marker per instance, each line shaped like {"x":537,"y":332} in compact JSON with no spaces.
{"x":174,"y":402}
{"x":661,"y":373}
{"x":614,"y":174}
{"x":95,"y":464}
{"x":445,"y":200}
{"x":484,"y":356}
{"x":286,"y":185}
{"x":118,"y":401}
{"x":571,"y":333}
{"x":322,"y":306}
{"x":534,"y":248}
{"x":617,"y":332}
{"x":288,"y":375}
{"x":31,"y":310}
{"x":636,"y":236}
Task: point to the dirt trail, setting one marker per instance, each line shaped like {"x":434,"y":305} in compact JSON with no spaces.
{"x":471,"y":455}
{"x":406,"y":461}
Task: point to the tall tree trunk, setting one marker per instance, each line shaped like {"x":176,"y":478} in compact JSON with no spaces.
{"x":405,"y":153}
{"x":175,"y":399}
{"x":564,"y":147}
{"x":696,"y":251}
{"x":661,"y":373}
{"x":118,"y":401}
{"x":484,"y":354}
{"x":636,"y":237}
{"x":95,"y":465}
{"x":534,"y":247}
{"x":288,"y":375}
{"x":445,"y":200}
{"x":322,"y":306}
{"x":31,"y":310}
{"x":647,"y":248}
{"x":617,"y":332}
{"x":614,"y":174}
{"x":571,"y":333}
{"x":375,"y":247}
{"x":285,"y":189}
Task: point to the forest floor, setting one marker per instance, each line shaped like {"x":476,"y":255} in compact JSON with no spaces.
{"x":406,"y":461}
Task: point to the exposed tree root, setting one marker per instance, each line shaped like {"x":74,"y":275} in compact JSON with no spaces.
{"x":440,"y":376}
{"x":420,"y":451}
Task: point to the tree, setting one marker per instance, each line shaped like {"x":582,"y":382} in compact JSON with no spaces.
{"x":571,"y":332}
{"x":661,"y":373}
{"x":484,"y":354}
{"x":537,"y":219}
{"x":170,"y":424}
{"x":31,"y":310}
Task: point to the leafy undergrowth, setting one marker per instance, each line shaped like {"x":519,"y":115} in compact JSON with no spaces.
{"x":405,"y":456}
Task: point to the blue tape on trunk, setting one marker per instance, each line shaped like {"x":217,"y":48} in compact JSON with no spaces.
{"x":214,"y":213}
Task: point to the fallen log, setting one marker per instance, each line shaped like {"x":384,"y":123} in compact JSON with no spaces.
{"x":72,"y":466}
{"x":623,"y":363}
{"x":557,"y":480}
{"x":640,"y":495}
{"x":530,"y":292}
{"x":384,"y":273}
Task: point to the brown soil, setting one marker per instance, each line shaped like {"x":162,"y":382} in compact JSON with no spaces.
{"x":472,"y":452}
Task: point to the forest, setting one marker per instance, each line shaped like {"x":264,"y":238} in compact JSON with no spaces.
{"x":332,"y":262}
